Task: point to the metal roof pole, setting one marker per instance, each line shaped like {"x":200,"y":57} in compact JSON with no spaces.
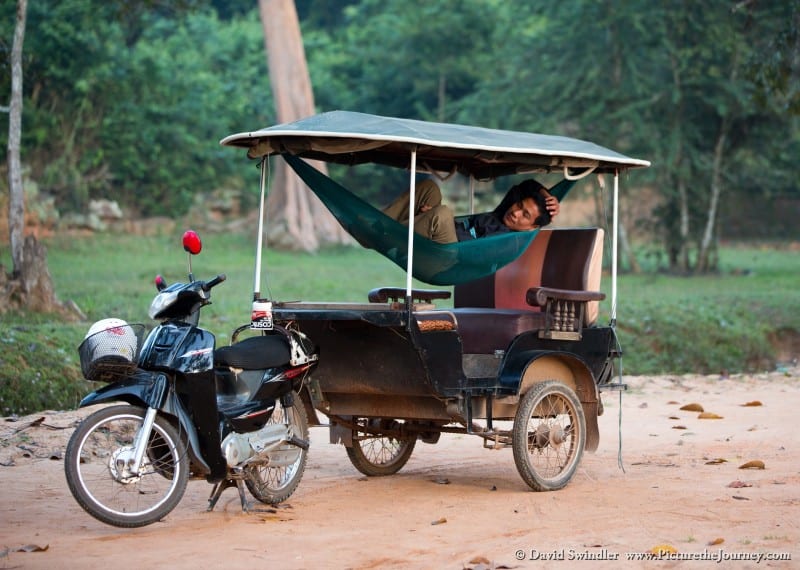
{"x":412,"y":200}
{"x":260,"y":240}
{"x":471,"y":194}
{"x":614,"y":249}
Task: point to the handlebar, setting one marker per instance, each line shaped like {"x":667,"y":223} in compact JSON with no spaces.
{"x":214,"y":282}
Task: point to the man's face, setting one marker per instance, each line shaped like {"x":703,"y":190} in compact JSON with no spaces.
{"x":521,"y":216}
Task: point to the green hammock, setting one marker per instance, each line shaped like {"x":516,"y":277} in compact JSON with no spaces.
{"x":434,"y":263}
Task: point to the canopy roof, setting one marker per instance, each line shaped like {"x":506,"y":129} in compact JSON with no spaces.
{"x":347,"y":137}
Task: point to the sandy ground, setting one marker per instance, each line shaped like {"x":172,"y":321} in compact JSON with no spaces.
{"x":457,"y":505}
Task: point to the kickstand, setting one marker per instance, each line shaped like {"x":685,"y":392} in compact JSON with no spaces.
{"x":216,"y":493}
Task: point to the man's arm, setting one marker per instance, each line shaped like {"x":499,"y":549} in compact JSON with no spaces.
{"x":551,"y":203}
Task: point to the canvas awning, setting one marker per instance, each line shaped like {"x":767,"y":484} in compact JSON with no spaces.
{"x":347,"y":137}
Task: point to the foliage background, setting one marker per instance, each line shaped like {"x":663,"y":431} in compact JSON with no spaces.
{"x":128,"y":100}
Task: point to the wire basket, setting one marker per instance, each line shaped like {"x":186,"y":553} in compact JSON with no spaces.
{"x":111,"y":354}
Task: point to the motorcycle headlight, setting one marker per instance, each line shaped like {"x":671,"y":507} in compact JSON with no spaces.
{"x":161,"y":302}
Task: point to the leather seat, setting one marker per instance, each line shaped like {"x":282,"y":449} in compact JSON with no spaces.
{"x":493,"y":310}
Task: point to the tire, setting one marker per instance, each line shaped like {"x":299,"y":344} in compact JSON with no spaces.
{"x":377,"y":456}
{"x":108,"y":493}
{"x":549,"y":436}
{"x":275,"y":484}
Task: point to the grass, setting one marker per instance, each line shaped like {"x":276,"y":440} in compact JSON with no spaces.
{"x":666,"y":324}
{"x":712,"y":323}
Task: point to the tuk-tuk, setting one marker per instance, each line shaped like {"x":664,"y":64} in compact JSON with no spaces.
{"x":518,"y":360}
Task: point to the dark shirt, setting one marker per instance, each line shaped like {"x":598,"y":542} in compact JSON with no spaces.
{"x":479,"y":225}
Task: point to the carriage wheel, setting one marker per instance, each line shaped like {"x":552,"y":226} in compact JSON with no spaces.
{"x":549,"y":436}
{"x":376,"y":455}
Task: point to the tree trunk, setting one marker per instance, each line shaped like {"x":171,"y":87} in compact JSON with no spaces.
{"x":703,"y":256}
{"x":603,"y":205}
{"x":29,"y":286}
{"x":32,"y":289}
{"x":626,"y":250}
{"x":706,"y":258}
{"x":683,"y":257}
{"x":16,"y":197}
{"x":296,"y":219}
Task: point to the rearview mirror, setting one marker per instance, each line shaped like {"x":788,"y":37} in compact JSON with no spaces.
{"x":191,"y":242}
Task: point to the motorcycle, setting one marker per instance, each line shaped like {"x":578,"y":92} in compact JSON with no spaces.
{"x":181,"y":409}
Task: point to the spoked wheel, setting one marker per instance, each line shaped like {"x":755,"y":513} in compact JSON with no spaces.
{"x":549,"y":436}
{"x":376,"y":455}
{"x":275,"y":482}
{"x":98,"y":468}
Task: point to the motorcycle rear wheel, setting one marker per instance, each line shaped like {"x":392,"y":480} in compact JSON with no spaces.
{"x":273,"y":485}
{"x":99,"y":480}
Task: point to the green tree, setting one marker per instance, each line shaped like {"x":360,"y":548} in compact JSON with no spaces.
{"x":661,"y":81}
{"x":130,"y":101}
{"x":714,"y":122}
{"x":174,"y":95}
{"x":388,"y":59}
{"x":63,"y":107}
{"x":29,"y":286}
{"x":774,"y":63}
{"x":413,"y":63}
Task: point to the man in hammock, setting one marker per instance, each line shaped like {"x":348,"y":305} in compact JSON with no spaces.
{"x":526,"y":206}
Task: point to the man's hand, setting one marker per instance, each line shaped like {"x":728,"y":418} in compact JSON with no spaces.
{"x":551,"y":203}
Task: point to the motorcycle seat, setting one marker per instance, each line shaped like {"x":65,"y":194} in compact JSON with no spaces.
{"x":254,"y":353}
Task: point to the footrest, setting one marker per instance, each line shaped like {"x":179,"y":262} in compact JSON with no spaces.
{"x":613,"y":387}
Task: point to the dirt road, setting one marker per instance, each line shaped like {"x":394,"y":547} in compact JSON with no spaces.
{"x":457,"y":505}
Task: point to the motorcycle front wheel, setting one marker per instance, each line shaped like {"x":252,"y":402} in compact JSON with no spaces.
{"x":274,"y":482}
{"x":97,"y":465}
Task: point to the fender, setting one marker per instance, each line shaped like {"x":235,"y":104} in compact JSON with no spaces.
{"x":525,"y":368}
{"x":150,"y":390}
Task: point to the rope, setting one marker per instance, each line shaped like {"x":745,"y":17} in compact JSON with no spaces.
{"x":583,"y":174}
{"x":613,"y":325}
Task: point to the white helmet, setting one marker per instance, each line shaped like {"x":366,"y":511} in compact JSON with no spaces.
{"x":109,"y":342}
